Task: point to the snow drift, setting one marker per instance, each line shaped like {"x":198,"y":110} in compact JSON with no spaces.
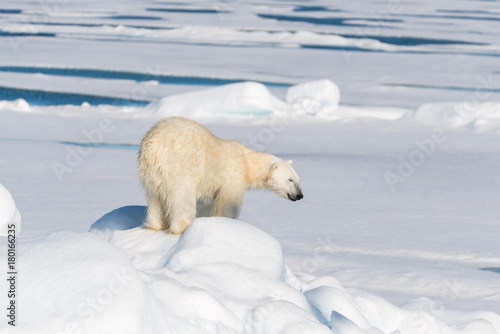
{"x":238,"y":98}
{"x":314,"y":97}
{"x":249,"y":98}
{"x":480,"y":117}
{"x":221,"y":276}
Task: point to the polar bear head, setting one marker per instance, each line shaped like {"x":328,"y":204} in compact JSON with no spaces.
{"x":283,"y":180}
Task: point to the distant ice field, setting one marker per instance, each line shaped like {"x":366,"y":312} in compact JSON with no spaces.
{"x":384,"y":53}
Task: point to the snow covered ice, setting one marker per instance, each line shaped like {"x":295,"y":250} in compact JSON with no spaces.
{"x":389,"y":111}
{"x":221,"y":276}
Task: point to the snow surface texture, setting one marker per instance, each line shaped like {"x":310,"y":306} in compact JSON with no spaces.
{"x":221,"y":276}
{"x":9,"y":214}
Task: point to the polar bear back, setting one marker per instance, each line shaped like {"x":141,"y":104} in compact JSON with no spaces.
{"x":187,"y":154}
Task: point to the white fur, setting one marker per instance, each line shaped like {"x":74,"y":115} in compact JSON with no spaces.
{"x":187,"y":172}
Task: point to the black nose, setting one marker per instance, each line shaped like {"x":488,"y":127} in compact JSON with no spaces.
{"x":300,"y":196}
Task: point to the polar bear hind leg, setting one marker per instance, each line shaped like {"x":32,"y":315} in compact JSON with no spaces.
{"x":157,"y":217}
{"x":182,"y":210}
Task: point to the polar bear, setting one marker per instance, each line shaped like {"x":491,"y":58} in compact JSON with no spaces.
{"x":187,"y":172}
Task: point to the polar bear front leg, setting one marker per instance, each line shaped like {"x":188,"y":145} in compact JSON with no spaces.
{"x":228,"y":204}
{"x":182,"y":211}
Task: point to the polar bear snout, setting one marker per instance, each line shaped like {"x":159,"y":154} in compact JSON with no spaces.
{"x":295,"y":196}
{"x":300,"y":196}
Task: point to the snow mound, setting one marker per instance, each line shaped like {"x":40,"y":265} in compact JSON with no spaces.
{"x":245,"y":98}
{"x":221,"y":276}
{"x":309,"y":100}
{"x":480,"y":117}
{"x":257,"y":252}
{"x":9,"y":214}
{"x":313,"y":96}
{"x":316,"y":98}
{"x":17,"y":105}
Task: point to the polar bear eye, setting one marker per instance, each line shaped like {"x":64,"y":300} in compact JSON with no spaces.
{"x":290,"y":180}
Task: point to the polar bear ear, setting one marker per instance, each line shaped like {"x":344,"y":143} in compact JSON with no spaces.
{"x":273,"y":167}
{"x":290,"y":162}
